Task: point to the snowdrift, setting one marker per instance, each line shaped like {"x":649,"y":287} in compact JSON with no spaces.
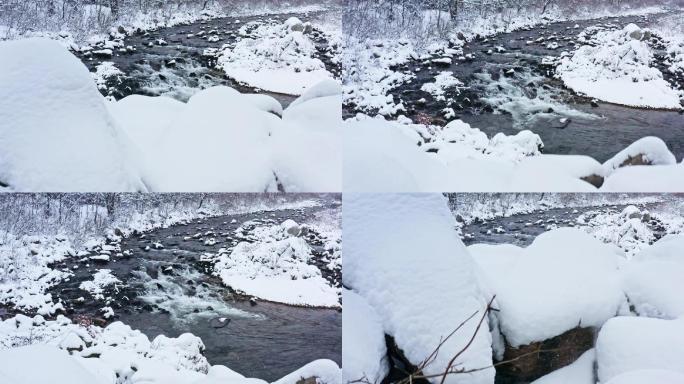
{"x":385,"y":156}
{"x":404,"y":258}
{"x":57,"y":133}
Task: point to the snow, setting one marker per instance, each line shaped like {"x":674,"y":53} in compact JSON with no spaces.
{"x":629,"y":344}
{"x":275,"y":57}
{"x":227,"y":131}
{"x":616,"y":67}
{"x":19,"y":366}
{"x":579,"y":276}
{"x":276,"y":266}
{"x":443,"y":82}
{"x":368,"y":77}
{"x":648,"y":376}
{"x":307,"y":147}
{"x":71,"y":353}
{"x":400,"y":156}
{"x":403,"y":256}
{"x":363,"y":341}
{"x":42,"y":99}
{"x":653,"y":151}
{"x":101,"y":280}
{"x":652,"y":279}
{"x":579,"y":372}
{"x":669,"y":178}
{"x":325,"y":371}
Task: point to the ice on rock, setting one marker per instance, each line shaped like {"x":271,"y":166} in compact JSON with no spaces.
{"x":363,"y":341}
{"x":37,"y":134}
{"x":629,"y":344}
{"x":403,"y":256}
{"x":653,"y":279}
{"x":564,"y":279}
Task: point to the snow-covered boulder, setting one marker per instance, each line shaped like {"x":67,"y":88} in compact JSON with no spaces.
{"x":653,"y":279}
{"x":55,"y":131}
{"x":219,"y":142}
{"x":563,"y":280}
{"x":403,"y":256}
{"x":636,"y":343}
{"x":43,"y":364}
{"x":364,"y":352}
{"x":322,"y":371}
{"x":308,"y":145}
{"x":646,"y":151}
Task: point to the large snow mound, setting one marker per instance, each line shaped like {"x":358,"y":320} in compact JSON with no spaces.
{"x":635,"y":343}
{"x":579,"y":276}
{"x":404,"y":257}
{"x":275,"y":57}
{"x":653,"y":279}
{"x":616,"y":68}
{"x":363,"y":341}
{"x":222,"y":140}
{"x":55,"y":131}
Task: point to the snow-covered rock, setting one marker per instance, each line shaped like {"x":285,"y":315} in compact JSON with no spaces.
{"x":55,"y":131}
{"x":564,"y":279}
{"x":635,"y":343}
{"x":653,"y":279}
{"x":646,"y":151}
{"x":364,"y":352}
{"x":403,"y":256}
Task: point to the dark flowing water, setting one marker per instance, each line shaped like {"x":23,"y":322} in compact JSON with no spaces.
{"x":171,"y":291}
{"x":522,"y":229}
{"x":496,"y":99}
{"x":181,"y":65}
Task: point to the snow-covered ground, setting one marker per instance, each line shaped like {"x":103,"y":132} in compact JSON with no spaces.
{"x":616,"y":66}
{"x":220,"y":140}
{"x":400,"y":156}
{"x":36,"y":350}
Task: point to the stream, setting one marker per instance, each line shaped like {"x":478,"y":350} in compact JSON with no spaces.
{"x":511,"y":89}
{"x":179,"y":61}
{"x":171,"y":291}
{"x":522,"y":229}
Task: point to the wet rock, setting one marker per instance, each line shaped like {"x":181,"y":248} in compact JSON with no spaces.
{"x":529,"y":362}
{"x":310,"y":380}
{"x":594,"y":104}
{"x":595,"y":180}
{"x":219,"y":322}
{"x":253,"y":301}
{"x":636,"y":160}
